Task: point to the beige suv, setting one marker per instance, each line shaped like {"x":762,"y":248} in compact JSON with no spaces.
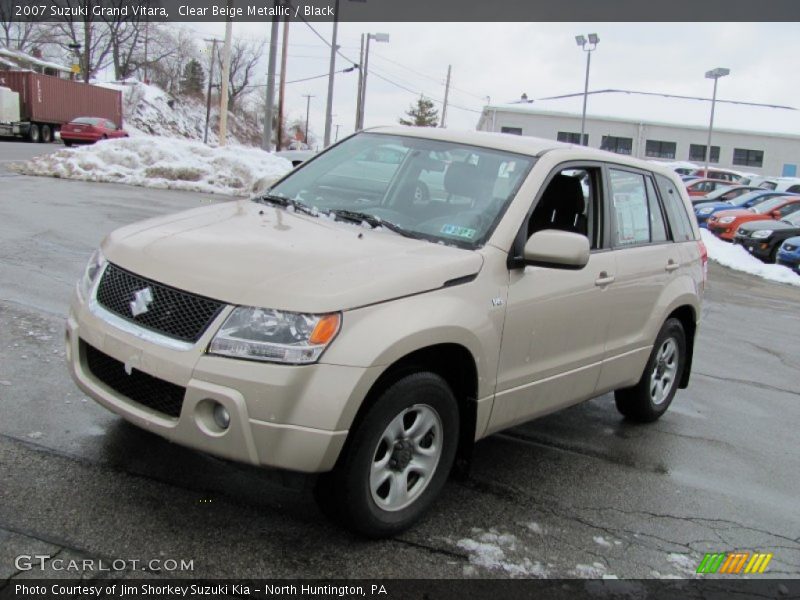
{"x":391,"y":301}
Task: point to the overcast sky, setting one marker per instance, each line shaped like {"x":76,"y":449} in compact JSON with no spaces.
{"x":503,"y":60}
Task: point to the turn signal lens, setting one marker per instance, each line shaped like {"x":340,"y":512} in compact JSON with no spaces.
{"x":326,"y":329}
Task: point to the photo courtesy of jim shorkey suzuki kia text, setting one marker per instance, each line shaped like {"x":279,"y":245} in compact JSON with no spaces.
{"x":180,"y":590}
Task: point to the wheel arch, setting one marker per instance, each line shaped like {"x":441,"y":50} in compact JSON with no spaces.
{"x":457,"y":366}
{"x":688,"y":318}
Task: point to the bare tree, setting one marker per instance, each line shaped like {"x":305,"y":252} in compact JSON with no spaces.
{"x":245,"y":56}
{"x":21,"y":35}
{"x":170,"y":49}
{"x":93,"y":37}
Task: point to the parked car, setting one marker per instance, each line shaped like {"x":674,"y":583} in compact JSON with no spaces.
{"x":701,"y":187}
{"x":339,"y":326}
{"x":688,"y":178}
{"x":782,"y":184}
{"x":763,"y":239}
{"x":88,"y":130}
{"x":725,"y":223}
{"x":719,"y":174}
{"x":789,"y":254}
{"x":705,"y":210}
{"x":723,"y":194}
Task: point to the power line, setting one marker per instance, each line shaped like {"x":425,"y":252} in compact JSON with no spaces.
{"x":418,"y":93}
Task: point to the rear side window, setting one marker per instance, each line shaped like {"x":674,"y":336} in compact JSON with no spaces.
{"x":678,"y":218}
{"x":658,"y":231}
{"x":631,"y":213}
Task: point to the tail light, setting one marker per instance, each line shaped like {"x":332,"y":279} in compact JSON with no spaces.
{"x":703,"y":261}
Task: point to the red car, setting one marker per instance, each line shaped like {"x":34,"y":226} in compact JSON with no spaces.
{"x":88,"y":130}
{"x":701,"y":187}
{"x":726,"y":223}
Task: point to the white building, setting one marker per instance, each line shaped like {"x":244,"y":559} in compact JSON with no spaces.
{"x":748,"y":137}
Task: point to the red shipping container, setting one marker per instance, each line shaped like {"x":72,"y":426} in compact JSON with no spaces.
{"x":48,"y":99}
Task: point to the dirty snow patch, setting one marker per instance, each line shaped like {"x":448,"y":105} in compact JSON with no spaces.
{"x":736,"y":257}
{"x":490,"y":550}
{"x":594,"y":571}
{"x":165,"y":163}
{"x":535,"y":528}
{"x":601,"y":541}
{"x":683,"y":562}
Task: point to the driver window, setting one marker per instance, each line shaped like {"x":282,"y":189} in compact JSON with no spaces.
{"x":568,"y":204}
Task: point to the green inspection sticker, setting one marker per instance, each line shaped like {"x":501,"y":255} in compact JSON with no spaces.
{"x":456,"y":231}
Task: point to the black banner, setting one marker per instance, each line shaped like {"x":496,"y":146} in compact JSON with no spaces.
{"x":393,"y":589}
{"x":403,"y":10}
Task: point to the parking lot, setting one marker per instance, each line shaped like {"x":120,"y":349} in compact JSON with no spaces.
{"x":580,"y":493}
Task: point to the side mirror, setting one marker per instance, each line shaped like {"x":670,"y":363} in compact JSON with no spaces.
{"x":776,"y":214}
{"x":557,"y":249}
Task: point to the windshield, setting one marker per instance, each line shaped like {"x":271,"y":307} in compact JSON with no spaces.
{"x":441,"y":191}
{"x":86,"y":121}
{"x":745,"y":198}
{"x":766,"y":206}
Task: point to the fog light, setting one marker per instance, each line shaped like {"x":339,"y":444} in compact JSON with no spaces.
{"x":221,"y":416}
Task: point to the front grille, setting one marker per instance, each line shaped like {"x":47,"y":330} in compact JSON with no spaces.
{"x":139,"y":387}
{"x":171,"y":312}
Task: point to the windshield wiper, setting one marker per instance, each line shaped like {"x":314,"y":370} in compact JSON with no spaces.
{"x":286,"y":202}
{"x":372,"y":220}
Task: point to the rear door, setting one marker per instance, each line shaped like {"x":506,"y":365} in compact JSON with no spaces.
{"x":646,"y":261}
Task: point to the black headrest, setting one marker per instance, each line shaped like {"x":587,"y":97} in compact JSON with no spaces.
{"x":565,"y":193}
{"x":462,"y":179}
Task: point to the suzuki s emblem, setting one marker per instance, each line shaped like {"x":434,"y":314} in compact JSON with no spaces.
{"x":141,"y":301}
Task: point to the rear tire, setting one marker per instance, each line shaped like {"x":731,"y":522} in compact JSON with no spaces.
{"x":67,"y":144}
{"x":396,"y":460}
{"x":46,"y":134}
{"x":34,"y":135}
{"x":650,"y":398}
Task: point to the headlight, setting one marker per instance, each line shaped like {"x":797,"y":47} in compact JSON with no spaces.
{"x":93,"y":268}
{"x":762,"y":234}
{"x":274,"y":335}
{"x":725,"y":220}
{"x":705,"y":211}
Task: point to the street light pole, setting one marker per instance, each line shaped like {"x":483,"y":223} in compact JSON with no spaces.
{"x":714,"y":74}
{"x":588,"y":46}
{"x":308,"y":98}
{"x":331,"y":71}
{"x":378,"y":37}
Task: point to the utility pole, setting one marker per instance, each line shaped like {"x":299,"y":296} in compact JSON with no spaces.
{"x":226,"y":73}
{"x":360,"y":84}
{"x":266,"y":138}
{"x":331,"y":76}
{"x":282,"y":93}
{"x":446,"y":94}
{"x":308,"y":98}
{"x":210,"y":85}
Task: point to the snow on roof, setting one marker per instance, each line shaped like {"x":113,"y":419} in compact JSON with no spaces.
{"x":669,"y":110}
{"x":21,"y":60}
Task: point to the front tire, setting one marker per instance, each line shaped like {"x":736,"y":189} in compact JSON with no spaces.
{"x":651,"y":396}
{"x":397,"y":459}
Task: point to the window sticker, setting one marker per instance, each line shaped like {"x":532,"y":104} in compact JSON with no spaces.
{"x":458,"y":231}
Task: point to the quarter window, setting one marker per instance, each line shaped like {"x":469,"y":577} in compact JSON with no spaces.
{"x":620,"y":145}
{"x":658,"y":230}
{"x":659,"y":149}
{"x":678,"y":218}
{"x":748,"y":158}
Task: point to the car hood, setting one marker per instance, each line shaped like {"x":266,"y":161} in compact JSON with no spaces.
{"x":734,"y":212}
{"x":258,"y":255}
{"x":714,"y":205}
{"x":771,"y":224}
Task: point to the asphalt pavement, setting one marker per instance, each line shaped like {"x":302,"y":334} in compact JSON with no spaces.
{"x":580,"y":493}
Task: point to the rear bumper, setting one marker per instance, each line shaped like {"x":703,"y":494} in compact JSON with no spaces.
{"x":79,"y":138}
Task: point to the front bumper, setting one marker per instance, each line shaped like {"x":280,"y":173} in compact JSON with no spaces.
{"x":758,"y":247}
{"x":725,"y":232}
{"x":789,"y":260}
{"x":282,"y":416}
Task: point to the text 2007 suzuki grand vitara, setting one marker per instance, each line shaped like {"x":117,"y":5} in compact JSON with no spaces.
{"x":391,"y":301}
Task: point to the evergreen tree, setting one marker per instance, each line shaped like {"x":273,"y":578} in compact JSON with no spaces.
{"x":421,"y":114}
{"x":193,"y":79}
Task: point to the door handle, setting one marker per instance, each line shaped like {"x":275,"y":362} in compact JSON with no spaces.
{"x":604,"y":279}
{"x":672,"y":265}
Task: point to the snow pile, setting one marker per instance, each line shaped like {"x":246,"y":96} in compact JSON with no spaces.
{"x":488,"y":549}
{"x":159,"y":162}
{"x":147,"y":109}
{"x":736,"y":257}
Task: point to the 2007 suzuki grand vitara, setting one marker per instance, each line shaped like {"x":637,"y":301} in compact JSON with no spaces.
{"x":386,"y":304}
